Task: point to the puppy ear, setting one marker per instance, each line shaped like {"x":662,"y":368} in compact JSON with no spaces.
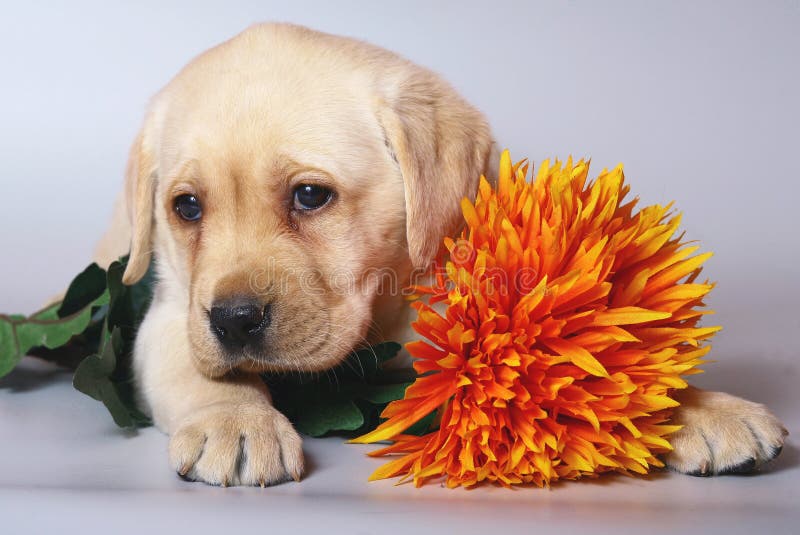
{"x":139,"y":192}
{"x":442,"y":146}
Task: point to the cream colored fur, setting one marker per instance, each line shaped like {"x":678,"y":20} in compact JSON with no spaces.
{"x":238,"y":127}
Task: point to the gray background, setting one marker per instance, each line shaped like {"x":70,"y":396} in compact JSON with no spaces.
{"x":697,"y":99}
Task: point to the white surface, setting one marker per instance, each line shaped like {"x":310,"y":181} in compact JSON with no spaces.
{"x":67,"y":469}
{"x":700,"y":100}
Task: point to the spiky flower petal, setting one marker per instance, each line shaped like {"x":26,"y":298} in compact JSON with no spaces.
{"x":570,"y":317}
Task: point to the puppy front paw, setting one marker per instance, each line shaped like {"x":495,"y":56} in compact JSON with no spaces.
{"x":722,"y":434}
{"x":237,"y":444}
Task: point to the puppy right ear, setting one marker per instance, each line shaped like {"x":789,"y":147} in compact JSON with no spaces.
{"x":442,"y":145}
{"x":140,"y":188}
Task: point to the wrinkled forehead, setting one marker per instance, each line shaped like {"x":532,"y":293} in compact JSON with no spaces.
{"x":242,"y":124}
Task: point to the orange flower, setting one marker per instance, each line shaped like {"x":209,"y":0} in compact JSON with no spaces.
{"x":570,"y":317}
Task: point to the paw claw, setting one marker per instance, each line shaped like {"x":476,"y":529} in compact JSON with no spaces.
{"x":703,"y":471}
{"x":698,"y":473}
{"x":746,"y":467}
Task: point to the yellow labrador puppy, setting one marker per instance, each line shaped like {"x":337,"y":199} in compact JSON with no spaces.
{"x":270,"y":178}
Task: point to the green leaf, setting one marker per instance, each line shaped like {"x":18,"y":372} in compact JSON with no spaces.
{"x":18,"y":335}
{"x":107,"y":376}
{"x":48,"y":313}
{"x":345,"y":399}
{"x":9,"y":352}
{"x":84,"y":289}
{"x":92,"y":329}
{"x":382,"y":394}
{"x":93,"y":378}
{"x":321,"y":418}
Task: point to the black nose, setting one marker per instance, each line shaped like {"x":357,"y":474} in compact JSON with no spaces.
{"x":238,"y":323}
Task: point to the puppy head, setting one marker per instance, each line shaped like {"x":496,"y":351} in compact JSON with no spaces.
{"x":285,"y":180}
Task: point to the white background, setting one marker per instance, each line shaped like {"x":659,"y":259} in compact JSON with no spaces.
{"x":699,"y":100}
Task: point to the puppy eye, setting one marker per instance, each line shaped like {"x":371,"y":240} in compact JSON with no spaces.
{"x":311,"y":197}
{"x":188,"y":207}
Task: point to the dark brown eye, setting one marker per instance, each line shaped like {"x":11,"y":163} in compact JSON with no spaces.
{"x":311,"y":197}
{"x":188,"y":207}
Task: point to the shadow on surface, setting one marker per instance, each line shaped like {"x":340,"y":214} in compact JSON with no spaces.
{"x":31,"y":374}
{"x":613,"y":478}
{"x":789,"y":458}
{"x":310,"y":464}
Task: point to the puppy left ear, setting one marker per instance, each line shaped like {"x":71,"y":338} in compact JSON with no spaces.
{"x":139,"y":192}
{"x":442,"y":146}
